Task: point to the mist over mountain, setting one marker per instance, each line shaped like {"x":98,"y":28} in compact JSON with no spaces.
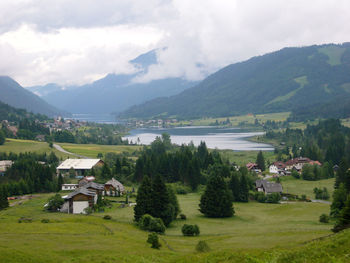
{"x":113,"y":93}
{"x":16,"y":96}
{"x":286,"y":80}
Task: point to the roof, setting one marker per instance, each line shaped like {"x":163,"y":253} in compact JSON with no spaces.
{"x":116,"y":184}
{"x":269,"y":187}
{"x":88,"y":178}
{"x":4,"y":165}
{"x":251,"y":165}
{"x":94,"y":185}
{"x":279,"y":164}
{"x":78,"y":164}
{"x":82,"y":191}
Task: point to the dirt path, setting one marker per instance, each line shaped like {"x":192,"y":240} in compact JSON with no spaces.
{"x":59,"y":148}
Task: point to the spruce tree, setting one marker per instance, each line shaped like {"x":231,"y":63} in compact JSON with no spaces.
{"x":234,"y":186}
{"x":3,"y":198}
{"x":339,"y":198}
{"x":160,"y":201}
{"x":60,"y":181}
{"x":260,"y":161}
{"x":344,"y":218}
{"x":143,"y":199}
{"x":243,"y":195}
{"x":173,"y":201}
{"x":106,"y":172}
{"x":216,"y":201}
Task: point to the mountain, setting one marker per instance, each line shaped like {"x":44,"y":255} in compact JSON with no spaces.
{"x":13,"y":114}
{"x":16,"y":96}
{"x":114,"y":93}
{"x":285,"y":80}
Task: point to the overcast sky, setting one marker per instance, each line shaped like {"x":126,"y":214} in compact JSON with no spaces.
{"x":76,"y":42}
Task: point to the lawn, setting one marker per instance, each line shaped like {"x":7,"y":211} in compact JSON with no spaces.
{"x":300,"y":187}
{"x":255,"y":228}
{"x":20,"y":146}
{"x":92,"y":150}
{"x":243,"y":157}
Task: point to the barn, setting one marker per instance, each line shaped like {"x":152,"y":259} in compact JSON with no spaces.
{"x":114,"y":187}
{"x":81,"y":167}
{"x":77,"y":201}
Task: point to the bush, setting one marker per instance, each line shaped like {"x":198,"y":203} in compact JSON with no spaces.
{"x":324,"y":218}
{"x":107,"y":217}
{"x":190,"y":230}
{"x":54,"y":203}
{"x":303,"y":198}
{"x":260,"y":197}
{"x":88,"y":210}
{"x":25,"y":220}
{"x":45,"y":220}
{"x":183,"y":216}
{"x":202,"y":246}
{"x":153,"y":240}
{"x":273,"y":198}
{"x":152,"y":224}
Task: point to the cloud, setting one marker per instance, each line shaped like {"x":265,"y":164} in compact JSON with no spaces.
{"x":75,"y":42}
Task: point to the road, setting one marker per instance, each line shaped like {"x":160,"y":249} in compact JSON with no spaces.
{"x":59,"y":148}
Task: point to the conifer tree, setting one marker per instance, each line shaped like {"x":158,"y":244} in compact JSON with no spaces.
{"x":260,"y":161}
{"x":143,"y":199}
{"x":3,"y":198}
{"x":216,"y":201}
{"x":243,"y":189}
{"x":344,"y":218}
{"x":160,"y":201}
{"x":106,"y":172}
{"x":234,"y":186}
{"x":60,"y":181}
{"x":339,"y":198}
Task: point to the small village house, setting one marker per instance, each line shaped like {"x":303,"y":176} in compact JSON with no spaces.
{"x":77,"y":201}
{"x":98,"y":189}
{"x":268,"y":187}
{"x":4,"y":165}
{"x":85,"y":180}
{"x":81,"y":167}
{"x":113,"y":187}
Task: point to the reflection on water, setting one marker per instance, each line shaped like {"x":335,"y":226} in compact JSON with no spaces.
{"x":220,"y":138}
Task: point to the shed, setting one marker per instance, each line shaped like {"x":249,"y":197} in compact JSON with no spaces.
{"x":113,"y":187}
{"x":78,"y":201}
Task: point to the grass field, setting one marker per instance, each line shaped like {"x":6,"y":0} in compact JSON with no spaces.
{"x":20,"y":146}
{"x":255,"y":228}
{"x":91,"y":150}
{"x":300,"y":187}
{"x":243,"y":157}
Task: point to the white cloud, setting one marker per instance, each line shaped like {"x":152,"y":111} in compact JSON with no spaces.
{"x":78,"y":41}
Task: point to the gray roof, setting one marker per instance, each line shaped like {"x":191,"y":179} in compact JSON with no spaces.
{"x":116,"y":184}
{"x":78,"y":164}
{"x":269,"y":187}
{"x":81,"y":190}
{"x":94,"y":185}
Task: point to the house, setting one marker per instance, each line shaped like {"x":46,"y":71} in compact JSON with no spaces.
{"x":94,"y":187}
{"x":277,"y":168}
{"x":80,"y":166}
{"x":4,"y":165}
{"x":77,"y":201}
{"x":252,"y":166}
{"x":68,"y":187}
{"x":113,"y":187}
{"x":85,"y":180}
{"x":268,"y":187}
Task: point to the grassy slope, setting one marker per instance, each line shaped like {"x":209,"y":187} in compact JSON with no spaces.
{"x":77,"y":238}
{"x":20,"y":146}
{"x":91,"y":150}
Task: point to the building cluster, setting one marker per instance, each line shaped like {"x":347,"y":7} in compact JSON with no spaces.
{"x":152,"y":123}
{"x":60,"y":124}
{"x":85,"y":193}
{"x":285,"y":168}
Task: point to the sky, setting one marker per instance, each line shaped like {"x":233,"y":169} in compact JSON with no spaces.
{"x":76,"y":42}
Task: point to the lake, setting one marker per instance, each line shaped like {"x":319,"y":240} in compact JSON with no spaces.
{"x":214,"y":137}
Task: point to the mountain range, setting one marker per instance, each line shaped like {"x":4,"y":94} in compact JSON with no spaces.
{"x":286,"y":80}
{"x":113,"y":93}
{"x":15,"y":95}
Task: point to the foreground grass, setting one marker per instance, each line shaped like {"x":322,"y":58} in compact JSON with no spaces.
{"x":21,"y":146}
{"x":78,"y":238}
{"x":92,"y":150}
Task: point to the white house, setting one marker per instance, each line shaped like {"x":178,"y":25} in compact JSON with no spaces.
{"x":67,"y":187}
{"x":80,"y":166}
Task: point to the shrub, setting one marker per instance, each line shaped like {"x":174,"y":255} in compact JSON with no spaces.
{"x":202,"y":246}
{"x":54,"y":203}
{"x":273,"y":198}
{"x":303,"y":198}
{"x":324,"y":218}
{"x":152,"y":224}
{"x":107,"y":217}
{"x":25,"y":220}
{"x":190,"y":230}
{"x":153,"y":240}
{"x":88,"y":210}
{"x":45,"y":220}
{"x":183,"y":216}
{"x":260,"y":197}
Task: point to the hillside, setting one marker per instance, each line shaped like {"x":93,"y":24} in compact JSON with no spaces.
{"x":12,"y":114}
{"x":113,"y":93}
{"x":16,"y":96}
{"x":280,"y":81}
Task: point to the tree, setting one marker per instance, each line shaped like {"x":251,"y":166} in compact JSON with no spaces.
{"x":243,"y":194}
{"x":234,"y":186}
{"x":343,"y":221}
{"x":2,"y":137}
{"x":161,"y":206}
{"x":106,"y":172}
{"x":153,"y":240}
{"x":173,"y":200}
{"x":260,"y":161}
{"x":60,"y":181}
{"x":4,"y":203}
{"x":55,"y":203}
{"x":339,"y":198}
{"x":143,"y":199}
{"x":216,"y":201}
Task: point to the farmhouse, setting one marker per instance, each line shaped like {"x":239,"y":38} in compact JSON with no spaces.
{"x":67,"y":187}
{"x":113,"y":187}
{"x":277,"y":167}
{"x":77,"y":201}
{"x":80,"y":166}
{"x":94,"y":187}
{"x":85,"y":180}
{"x":268,"y":187}
{"x":4,"y":165}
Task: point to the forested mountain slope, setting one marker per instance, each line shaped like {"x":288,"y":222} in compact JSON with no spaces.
{"x":285,"y":80}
